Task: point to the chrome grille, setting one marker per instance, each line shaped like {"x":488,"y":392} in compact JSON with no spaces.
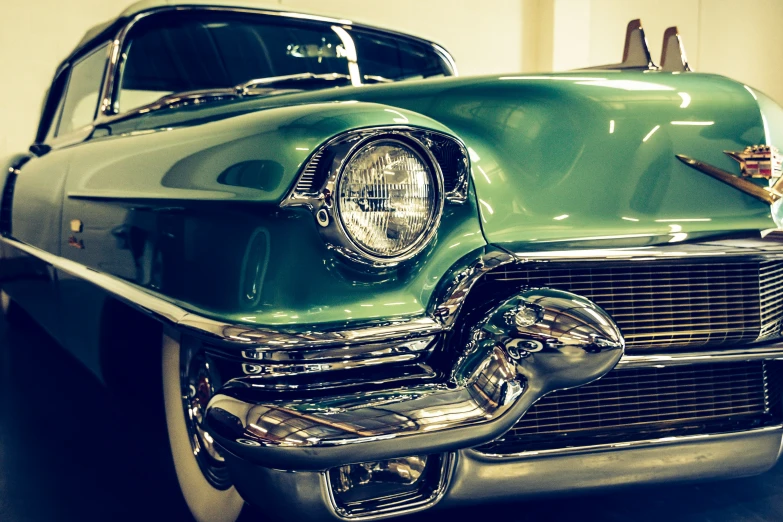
{"x":664,"y":304}
{"x":641,"y":403}
{"x":770,"y":284}
{"x":307,"y":179}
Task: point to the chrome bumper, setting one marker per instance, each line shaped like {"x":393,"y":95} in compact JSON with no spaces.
{"x":536,"y":342}
{"x":477,"y":477}
{"x":481,"y":477}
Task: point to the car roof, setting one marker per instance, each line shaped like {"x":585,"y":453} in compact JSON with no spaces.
{"x":151,"y":5}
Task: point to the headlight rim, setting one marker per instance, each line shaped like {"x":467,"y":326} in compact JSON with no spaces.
{"x":314,"y":188}
{"x":424,"y":154}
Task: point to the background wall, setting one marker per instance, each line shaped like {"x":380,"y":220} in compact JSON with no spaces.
{"x":741,"y":39}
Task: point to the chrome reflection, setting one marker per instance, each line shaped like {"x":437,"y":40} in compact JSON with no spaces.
{"x":451,"y":298}
{"x":536,"y":342}
{"x":371,"y":490}
{"x":276,"y":363}
{"x":199,"y":381}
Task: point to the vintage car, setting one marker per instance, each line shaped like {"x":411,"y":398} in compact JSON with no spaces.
{"x":361,"y":286}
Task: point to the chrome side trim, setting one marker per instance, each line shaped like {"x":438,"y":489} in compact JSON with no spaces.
{"x":684,"y":439}
{"x":758,"y":243}
{"x":252,"y":338}
{"x":446,"y":55}
{"x":300,"y":361}
{"x":447,"y":470}
{"x":770,"y":352}
{"x":264,"y":339}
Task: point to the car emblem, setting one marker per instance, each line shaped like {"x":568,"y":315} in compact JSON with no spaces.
{"x":757,"y":161}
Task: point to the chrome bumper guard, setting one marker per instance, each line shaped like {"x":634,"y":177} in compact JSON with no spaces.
{"x":534,"y":343}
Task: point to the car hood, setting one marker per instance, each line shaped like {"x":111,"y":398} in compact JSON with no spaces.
{"x":560,"y":159}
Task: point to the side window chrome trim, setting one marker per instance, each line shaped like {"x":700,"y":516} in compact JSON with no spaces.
{"x":67,"y":138}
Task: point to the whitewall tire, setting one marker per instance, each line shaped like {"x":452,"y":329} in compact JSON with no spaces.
{"x":206,"y":502}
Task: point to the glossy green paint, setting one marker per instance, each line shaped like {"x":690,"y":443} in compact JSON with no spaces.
{"x":571,"y":156}
{"x":594,"y":160}
{"x":161,"y":208}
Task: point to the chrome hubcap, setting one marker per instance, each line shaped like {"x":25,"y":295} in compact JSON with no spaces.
{"x":199,"y":381}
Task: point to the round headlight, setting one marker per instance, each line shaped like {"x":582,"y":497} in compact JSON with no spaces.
{"x":388,"y":199}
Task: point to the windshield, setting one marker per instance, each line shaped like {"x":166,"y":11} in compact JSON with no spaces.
{"x":196,"y":51}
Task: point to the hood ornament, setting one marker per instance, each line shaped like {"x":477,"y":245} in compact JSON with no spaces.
{"x":757,"y":161}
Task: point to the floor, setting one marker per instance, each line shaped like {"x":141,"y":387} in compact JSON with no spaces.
{"x":68,"y":452}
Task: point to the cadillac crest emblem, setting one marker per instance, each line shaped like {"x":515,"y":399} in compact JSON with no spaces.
{"x":759,"y":161}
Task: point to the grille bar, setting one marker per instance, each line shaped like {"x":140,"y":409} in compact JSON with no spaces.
{"x":633,"y":404}
{"x":666,"y":304}
{"x":307,"y":179}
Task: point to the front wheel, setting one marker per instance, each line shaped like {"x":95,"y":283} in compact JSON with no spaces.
{"x":188,"y":385}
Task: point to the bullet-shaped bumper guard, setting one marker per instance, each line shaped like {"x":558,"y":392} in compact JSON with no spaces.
{"x":539,"y":341}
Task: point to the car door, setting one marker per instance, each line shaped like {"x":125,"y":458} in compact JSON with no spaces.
{"x":36,"y":198}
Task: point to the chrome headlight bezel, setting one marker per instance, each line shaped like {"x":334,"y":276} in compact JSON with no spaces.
{"x":433,"y":220}
{"x":317,"y":187}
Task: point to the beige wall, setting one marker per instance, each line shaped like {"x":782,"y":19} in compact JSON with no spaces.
{"x":736,"y":38}
{"x":35,"y":35}
{"x":491,"y":36}
{"x":484,"y":37}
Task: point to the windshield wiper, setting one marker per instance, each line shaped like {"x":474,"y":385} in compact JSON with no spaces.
{"x":255,"y":87}
{"x":246,"y":88}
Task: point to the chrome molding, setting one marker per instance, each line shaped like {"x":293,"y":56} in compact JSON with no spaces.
{"x":532,"y":344}
{"x":384,"y":511}
{"x":265,"y":339}
{"x":770,"y":352}
{"x":446,"y":304}
{"x":753,"y":243}
{"x":299,"y":361}
{"x":581,"y":450}
{"x":458,"y":285}
{"x":321,"y":199}
{"x":446,"y":55}
{"x":241,"y":335}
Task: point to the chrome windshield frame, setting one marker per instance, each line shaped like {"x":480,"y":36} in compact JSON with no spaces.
{"x":108,"y":111}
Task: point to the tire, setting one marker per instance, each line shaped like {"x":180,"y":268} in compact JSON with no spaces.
{"x":207,"y":503}
{"x":13,"y":314}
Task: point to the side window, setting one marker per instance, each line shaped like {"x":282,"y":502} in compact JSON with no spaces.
{"x":83,"y":92}
{"x":383,"y":58}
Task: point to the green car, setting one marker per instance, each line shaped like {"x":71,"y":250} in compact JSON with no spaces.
{"x":362,"y":286}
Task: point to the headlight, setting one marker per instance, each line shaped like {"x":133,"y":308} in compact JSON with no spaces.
{"x":389,"y":199}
